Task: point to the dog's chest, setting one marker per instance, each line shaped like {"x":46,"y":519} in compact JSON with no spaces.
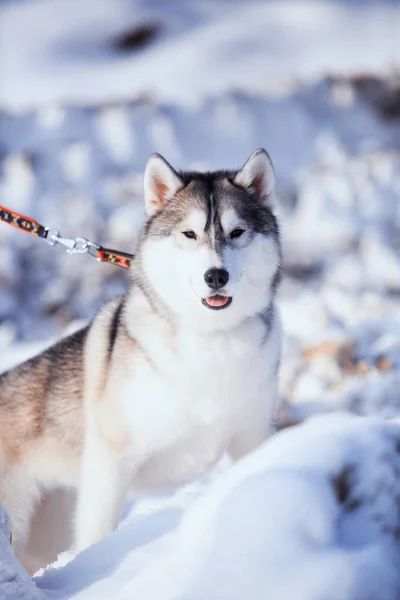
{"x":185,"y":404}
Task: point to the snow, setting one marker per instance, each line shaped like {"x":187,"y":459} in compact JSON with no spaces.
{"x":220,"y":78}
{"x":247,"y":42}
{"x":312,"y":514}
{"x":15,"y":583}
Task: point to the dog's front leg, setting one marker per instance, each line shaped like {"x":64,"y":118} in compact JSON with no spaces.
{"x":258,"y":426}
{"x":105,"y":478}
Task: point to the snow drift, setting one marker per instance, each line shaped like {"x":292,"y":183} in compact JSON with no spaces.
{"x":312,"y":515}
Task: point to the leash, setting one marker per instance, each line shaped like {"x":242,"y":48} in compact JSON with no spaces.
{"x":78,"y":245}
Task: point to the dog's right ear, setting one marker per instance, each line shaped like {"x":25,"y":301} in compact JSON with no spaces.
{"x":161,"y":182}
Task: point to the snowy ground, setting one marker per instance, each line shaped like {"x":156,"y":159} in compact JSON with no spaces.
{"x":219,"y":79}
{"x":311,"y":515}
{"x":198,"y":49}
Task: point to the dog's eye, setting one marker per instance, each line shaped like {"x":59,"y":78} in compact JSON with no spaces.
{"x":236,"y":233}
{"x":190,"y":234}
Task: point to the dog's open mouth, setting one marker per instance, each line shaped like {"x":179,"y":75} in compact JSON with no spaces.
{"x":217,"y":302}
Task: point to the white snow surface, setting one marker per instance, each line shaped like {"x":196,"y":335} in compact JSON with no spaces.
{"x":313,"y":515}
{"x":203,"y":48}
{"x":15,"y":583}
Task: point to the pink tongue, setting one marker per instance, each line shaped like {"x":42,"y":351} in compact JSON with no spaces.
{"x":217,"y":300}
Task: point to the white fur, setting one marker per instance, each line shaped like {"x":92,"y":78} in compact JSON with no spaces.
{"x":176,"y":266}
{"x":211,"y":393}
{"x":230,"y":220}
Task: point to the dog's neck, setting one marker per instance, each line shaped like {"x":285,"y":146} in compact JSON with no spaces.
{"x":143,"y":310}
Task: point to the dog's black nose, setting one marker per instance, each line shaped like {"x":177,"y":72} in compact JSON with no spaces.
{"x":216,"y":278}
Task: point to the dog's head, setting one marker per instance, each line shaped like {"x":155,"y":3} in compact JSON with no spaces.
{"x":210,"y":251}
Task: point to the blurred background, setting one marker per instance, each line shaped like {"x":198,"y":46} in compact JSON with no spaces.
{"x":89,"y":88}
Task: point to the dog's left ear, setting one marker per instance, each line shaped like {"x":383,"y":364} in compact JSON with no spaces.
{"x":257,"y":176}
{"x":161,"y":182}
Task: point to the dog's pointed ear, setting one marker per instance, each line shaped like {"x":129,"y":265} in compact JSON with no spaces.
{"x":257,"y":176}
{"x":161,"y":182}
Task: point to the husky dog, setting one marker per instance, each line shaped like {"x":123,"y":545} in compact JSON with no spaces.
{"x":166,"y":379}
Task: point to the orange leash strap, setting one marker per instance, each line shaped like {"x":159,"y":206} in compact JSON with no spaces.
{"x":78,"y":245}
{"x":21,"y":222}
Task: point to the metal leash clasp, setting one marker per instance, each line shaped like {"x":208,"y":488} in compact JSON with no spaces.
{"x":78,"y":245}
